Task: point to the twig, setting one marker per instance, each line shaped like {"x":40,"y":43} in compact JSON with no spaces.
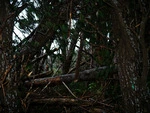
{"x":69,"y":90}
{"x":5,"y":74}
{"x":4,"y":94}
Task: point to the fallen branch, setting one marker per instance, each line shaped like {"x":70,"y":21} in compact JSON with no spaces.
{"x":86,"y":75}
{"x":69,"y":102}
{"x":55,"y":101}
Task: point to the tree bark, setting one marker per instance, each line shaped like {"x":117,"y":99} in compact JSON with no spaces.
{"x":8,"y":91}
{"x":7,"y":98}
{"x":132,"y":60}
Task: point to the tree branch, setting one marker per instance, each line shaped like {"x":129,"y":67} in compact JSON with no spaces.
{"x":86,"y":75}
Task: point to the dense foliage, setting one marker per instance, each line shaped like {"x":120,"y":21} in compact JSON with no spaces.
{"x":82,"y":56}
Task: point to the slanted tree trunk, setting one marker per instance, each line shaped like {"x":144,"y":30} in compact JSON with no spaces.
{"x":132,"y":60}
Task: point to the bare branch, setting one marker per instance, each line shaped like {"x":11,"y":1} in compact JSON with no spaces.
{"x":86,"y":75}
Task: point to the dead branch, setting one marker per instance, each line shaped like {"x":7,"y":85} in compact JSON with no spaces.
{"x":86,"y":75}
{"x":54,"y":101}
{"x":69,"y":102}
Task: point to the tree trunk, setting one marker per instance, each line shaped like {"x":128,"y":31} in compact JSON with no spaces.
{"x":8,"y":97}
{"x":132,"y":60}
